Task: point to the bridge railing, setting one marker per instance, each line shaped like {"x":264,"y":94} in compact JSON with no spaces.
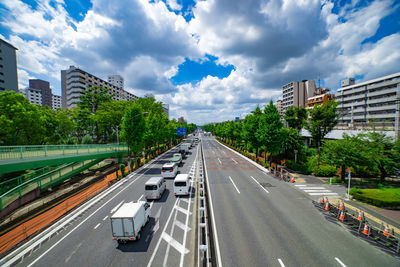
{"x":25,"y":152}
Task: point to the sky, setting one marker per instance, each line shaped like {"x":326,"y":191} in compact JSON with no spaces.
{"x":210,"y":60}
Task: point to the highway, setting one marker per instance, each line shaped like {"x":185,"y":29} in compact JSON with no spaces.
{"x":262,"y":221}
{"x":168,"y":239}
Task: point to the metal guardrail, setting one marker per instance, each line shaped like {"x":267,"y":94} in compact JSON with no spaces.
{"x":27,"y":152}
{"x":42,"y":181}
{"x":203,"y":255}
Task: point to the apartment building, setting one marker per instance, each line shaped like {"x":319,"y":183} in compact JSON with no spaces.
{"x":166,"y":109}
{"x":376,"y":101}
{"x":278,"y":105}
{"x":116,"y":80}
{"x":297,"y":93}
{"x":56,"y":102}
{"x":322,"y":96}
{"x":33,"y":95}
{"x":74,"y":83}
{"x":8,"y":67}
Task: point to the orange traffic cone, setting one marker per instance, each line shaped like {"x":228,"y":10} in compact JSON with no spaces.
{"x":360,"y":216}
{"x":366,"y":229}
{"x":341,"y":217}
{"x":292,"y":180}
{"x":322,"y":201}
{"x":386,"y":232}
{"x":341,"y":205}
{"x":326,"y":205}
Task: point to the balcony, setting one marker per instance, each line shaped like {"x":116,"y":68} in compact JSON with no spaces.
{"x":384,"y":107}
{"x":382,"y":92}
{"x":383,"y":84}
{"x":382,"y":100}
{"x":356,"y":97}
{"x":391,"y":115}
{"x":352,"y":91}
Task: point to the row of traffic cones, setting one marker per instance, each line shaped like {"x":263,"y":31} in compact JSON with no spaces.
{"x":281,"y":176}
{"x":360,"y":217}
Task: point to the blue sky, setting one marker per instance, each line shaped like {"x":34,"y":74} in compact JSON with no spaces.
{"x":205,"y":57}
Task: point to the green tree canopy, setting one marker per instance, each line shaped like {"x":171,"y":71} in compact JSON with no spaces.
{"x":296,"y":117}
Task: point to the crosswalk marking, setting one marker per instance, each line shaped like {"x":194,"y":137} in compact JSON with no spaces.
{"x":316,"y":190}
{"x":178,"y":246}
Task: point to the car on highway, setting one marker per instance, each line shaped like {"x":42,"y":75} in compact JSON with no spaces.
{"x":128,"y":221}
{"x":154,"y":188}
{"x":181,"y":185}
{"x":176,"y":159}
{"x":169,"y":170}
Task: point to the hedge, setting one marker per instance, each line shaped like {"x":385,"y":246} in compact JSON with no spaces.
{"x":383,"y":197}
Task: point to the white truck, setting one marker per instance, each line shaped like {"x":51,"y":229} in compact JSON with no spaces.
{"x":128,"y":221}
{"x":184,"y":147}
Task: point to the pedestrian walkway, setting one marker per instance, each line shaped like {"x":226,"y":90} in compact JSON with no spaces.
{"x":316,"y":190}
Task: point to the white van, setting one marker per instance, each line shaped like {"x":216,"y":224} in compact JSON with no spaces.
{"x":181,"y":185}
{"x":154,"y":188}
{"x":169,"y":170}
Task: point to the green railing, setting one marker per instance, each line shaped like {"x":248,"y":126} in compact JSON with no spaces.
{"x":14,"y":182}
{"x":44,"y":181}
{"x":28,"y":152}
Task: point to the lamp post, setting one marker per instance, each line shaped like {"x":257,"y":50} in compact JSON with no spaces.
{"x":129,"y":156}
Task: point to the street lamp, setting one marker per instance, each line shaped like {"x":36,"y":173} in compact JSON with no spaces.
{"x":129,"y":156}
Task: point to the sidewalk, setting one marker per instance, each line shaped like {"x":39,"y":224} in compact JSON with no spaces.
{"x":389,"y":216}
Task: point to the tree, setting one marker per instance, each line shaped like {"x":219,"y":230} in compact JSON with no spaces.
{"x":20,"y":120}
{"x":296,"y":117}
{"x":322,"y":120}
{"x":90,"y":102}
{"x":291,"y":140}
{"x":109,"y":117}
{"x":269,"y":129}
{"x":250,"y":126}
{"x":343,"y":153}
{"x":133,"y":130}
{"x":382,"y":152}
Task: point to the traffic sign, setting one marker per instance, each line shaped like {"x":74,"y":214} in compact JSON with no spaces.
{"x":181,"y":131}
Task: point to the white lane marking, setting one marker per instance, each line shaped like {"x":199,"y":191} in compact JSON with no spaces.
{"x":299,"y":185}
{"x":178,"y":246}
{"x":219,"y":261}
{"x":324,"y":194}
{"x":88,"y":217}
{"x":281,"y":263}
{"x":219,"y":161}
{"x":116,"y":207}
{"x":259,"y":184}
{"x":96,"y":226}
{"x":315,"y":187}
{"x":184,"y":211}
{"x":315,"y":190}
{"x":169,"y":241}
{"x":234,"y":161}
{"x":159,"y":240}
{"x":140,"y":197}
{"x":340,"y":262}
{"x":105,"y":218}
{"x":234,"y":185}
{"x":182,"y":225}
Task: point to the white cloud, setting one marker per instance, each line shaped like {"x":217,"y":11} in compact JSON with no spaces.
{"x":269,"y":42}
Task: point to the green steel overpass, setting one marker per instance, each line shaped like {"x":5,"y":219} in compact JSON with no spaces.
{"x":19,"y":158}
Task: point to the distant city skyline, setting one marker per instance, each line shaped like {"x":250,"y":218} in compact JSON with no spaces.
{"x":204,"y":73}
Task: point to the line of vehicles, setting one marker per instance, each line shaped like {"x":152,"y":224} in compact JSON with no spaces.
{"x":128,"y":221}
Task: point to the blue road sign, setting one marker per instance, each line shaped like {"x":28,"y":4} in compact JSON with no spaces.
{"x":181,"y":131}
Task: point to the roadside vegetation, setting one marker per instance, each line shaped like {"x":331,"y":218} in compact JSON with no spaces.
{"x":262,"y":136}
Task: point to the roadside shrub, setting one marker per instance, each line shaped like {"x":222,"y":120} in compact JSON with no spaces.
{"x":301,"y":167}
{"x":122,"y":168}
{"x":326,"y":170}
{"x":87,"y":140}
{"x":383,"y":197}
{"x":70,"y":141}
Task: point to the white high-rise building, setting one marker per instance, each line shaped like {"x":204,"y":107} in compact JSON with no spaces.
{"x":33,"y":95}
{"x":74,"y":83}
{"x":116,"y":80}
{"x":56,"y":101}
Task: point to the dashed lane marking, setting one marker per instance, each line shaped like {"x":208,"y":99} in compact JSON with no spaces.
{"x":105,"y":218}
{"x":340,"y":262}
{"x":234,"y":185}
{"x":116,"y":207}
{"x":96,"y":226}
{"x":281,"y":262}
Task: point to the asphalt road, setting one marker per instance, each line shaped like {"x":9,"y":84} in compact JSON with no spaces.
{"x":88,"y":240}
{"x":262,"y":221}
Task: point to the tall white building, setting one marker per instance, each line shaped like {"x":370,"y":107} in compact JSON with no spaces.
{"x":116,"y":80}
{"x":166,"y":109}
{"x":376,"y":101}
{"x":56,"y":101}
{"x":33,"y":95}
{"x":297,"y":93}
{"x":74,"y":83}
